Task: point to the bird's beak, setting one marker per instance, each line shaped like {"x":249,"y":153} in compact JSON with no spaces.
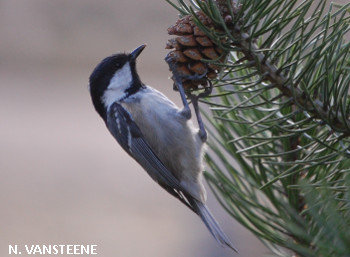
{"x":134,"y":54}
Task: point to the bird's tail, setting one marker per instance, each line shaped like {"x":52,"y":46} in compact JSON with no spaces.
{"x":202,"y":210}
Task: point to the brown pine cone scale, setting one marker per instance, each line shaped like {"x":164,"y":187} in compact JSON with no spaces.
{"x":187,"y":40}
{"x":193,"y":54}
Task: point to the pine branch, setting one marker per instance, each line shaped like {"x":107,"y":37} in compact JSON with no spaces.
{"x":279,"y":119}
{"x":318,"y":108}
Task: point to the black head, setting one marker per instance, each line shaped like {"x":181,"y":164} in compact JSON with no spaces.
{"x":115,"y":73}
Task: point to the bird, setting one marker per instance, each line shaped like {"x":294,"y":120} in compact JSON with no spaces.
{"x":156,"y":133}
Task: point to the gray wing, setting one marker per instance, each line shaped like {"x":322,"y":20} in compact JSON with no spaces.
{"x":129,"y":136}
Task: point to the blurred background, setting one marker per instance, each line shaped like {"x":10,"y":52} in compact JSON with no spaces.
{"x":64,"y":180}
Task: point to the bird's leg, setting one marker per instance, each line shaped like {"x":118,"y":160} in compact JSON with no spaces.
{"x":202,"y":133}
{"x":194,"y":98}
{"x":186,"y":111}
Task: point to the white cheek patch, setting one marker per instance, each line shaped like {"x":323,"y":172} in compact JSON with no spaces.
{"x":120,"y":81}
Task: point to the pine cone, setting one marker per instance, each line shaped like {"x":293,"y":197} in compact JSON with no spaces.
{"x":191,"y":46}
